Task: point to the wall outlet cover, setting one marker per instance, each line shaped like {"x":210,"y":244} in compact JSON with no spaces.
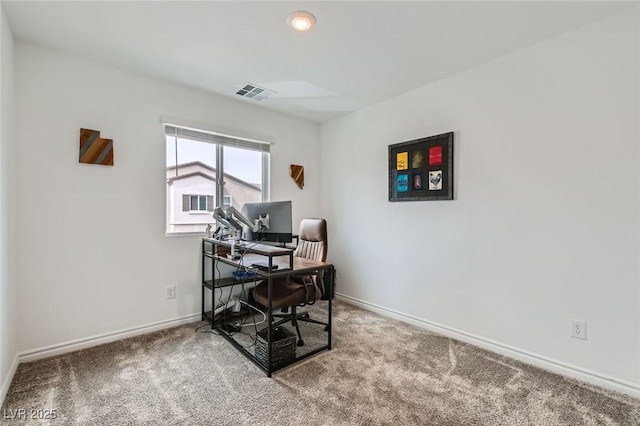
{"x":579,"y":329}
{"x":171,"y":292}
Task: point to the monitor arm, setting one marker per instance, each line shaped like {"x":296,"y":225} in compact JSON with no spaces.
{"x":231,"y":217}
{"x":235,"y":216}
{"x":261,"y":223}
{"x":221,"y":217}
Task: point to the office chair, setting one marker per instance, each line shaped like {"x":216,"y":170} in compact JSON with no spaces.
{"x":298,"y":290}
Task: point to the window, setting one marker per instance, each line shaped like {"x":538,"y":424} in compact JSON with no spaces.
{"x":193,"y":189}
{"x":197,"y":203}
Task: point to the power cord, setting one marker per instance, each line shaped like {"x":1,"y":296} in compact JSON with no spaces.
{"x":240,"y":267}
{"x":211,"y":331}
{"x":229,"y":327}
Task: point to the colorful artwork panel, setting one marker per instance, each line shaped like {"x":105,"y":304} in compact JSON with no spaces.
{"x":402,"y":162}
{"x":402,"y":183}
{"x":435,"y":180}
{"x":417,"y":160}
{"x":435,"y":155}
{"x":418,"y":181}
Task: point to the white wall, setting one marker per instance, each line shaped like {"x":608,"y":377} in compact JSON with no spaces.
{"x":92,"y":253}
{"x":545,"y":222}
{"x":7,"y":215}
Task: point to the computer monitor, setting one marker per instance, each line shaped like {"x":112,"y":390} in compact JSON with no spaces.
{"x":275,"y":218}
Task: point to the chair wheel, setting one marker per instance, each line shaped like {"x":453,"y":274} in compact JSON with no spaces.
{"x":305,"y":315}
{"x":326,"y":328}
{"x":300,"y":342}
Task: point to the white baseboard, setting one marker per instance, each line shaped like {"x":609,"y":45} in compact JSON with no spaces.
{"x":74,"y":345}
{"x":8,"y":379}
{"x":553,"y":365}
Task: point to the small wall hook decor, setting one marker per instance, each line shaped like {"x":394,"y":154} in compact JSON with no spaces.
{"x":297,"y":174}
{"x":94,"y":149}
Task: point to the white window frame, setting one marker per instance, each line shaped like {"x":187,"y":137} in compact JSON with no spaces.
{"x":220,"y":141}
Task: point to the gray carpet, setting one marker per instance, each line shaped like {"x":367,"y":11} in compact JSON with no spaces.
{"x":380,"y":371}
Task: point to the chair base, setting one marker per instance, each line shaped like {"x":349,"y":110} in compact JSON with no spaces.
{"x":294,"y":317}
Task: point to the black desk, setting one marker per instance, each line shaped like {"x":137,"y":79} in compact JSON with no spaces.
{"x":288,"y":265}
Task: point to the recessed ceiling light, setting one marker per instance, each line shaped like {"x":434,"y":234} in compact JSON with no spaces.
{"x":301,"y":20}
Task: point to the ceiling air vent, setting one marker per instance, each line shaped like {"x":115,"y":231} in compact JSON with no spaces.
{"x":254,"y":92}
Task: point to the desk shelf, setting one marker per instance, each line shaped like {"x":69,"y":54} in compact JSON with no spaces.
{"x":225,"y":282}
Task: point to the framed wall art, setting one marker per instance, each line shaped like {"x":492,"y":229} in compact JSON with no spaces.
{"x":422,"y":169}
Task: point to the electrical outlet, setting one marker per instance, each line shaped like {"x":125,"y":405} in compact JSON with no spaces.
{"x":579,"y":329}
{"x":171,"y":292}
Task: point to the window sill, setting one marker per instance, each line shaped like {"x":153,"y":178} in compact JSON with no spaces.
{"x":185,"y":234}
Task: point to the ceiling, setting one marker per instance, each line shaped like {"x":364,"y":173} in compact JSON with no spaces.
{"x":358,"y":54}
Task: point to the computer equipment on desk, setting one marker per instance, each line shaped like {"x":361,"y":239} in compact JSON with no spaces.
{"x":263,"y":266}
{"x":242,"y":274}
{"x":272,"y":221}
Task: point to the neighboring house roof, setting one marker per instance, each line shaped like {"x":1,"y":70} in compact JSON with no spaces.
{"x":255,"y":186}
{"x":186,"y":175}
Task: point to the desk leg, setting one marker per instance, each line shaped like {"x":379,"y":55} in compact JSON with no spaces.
{"x":269,"y":322}
{"x":203,"y":260}
{"x":331,"y":276}
{"x":213,"y":290}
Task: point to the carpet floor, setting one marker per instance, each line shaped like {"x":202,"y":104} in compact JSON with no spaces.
{"x":380,"y":372}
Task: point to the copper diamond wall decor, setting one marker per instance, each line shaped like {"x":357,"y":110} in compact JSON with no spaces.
{"x":297,"y":174}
